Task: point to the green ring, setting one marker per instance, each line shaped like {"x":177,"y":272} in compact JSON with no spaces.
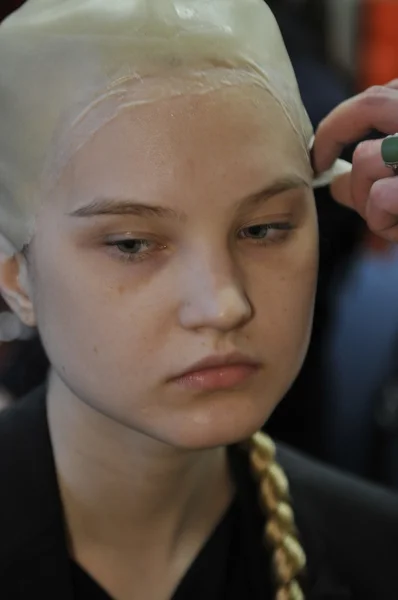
{"x":389,"y":150}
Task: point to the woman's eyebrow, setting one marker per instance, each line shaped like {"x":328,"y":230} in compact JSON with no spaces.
{"x":279,"y":186}
{"x":114,"y":206}
{"x":108,"y":206}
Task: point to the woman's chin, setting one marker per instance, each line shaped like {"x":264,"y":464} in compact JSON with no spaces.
{"x":203,"y":432}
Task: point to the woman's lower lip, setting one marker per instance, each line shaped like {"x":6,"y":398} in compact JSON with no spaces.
{"x":217,"y":378}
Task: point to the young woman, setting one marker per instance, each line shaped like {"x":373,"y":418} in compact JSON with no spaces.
{"x":159,"y":228}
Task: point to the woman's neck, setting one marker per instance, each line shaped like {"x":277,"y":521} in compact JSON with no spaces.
{"x":122,"y":489}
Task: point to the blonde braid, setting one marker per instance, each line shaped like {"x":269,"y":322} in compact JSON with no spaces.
{"x":280,"y":531}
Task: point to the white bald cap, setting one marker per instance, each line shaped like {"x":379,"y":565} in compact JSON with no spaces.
{"x":64,"y":63}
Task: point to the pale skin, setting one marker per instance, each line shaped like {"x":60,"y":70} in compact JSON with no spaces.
{"x":141,"y":462}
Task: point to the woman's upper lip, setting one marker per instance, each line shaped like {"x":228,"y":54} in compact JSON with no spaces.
{"x":217,"y":360}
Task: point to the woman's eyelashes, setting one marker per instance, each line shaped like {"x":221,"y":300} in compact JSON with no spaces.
{"x":136,"y":249}
{"x":266,"y":233}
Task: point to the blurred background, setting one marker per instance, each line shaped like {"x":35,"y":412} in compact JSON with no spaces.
{"x":344,"y":406}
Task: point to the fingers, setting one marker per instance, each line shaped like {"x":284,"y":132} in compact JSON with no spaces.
{"x":352,"y":120}
{"x":340,"y":188}
{"x":382,"y":208}
{"x":376,"y":192}
{"x":353,"y":189}
{"x":368,"y":167}
{"x":371,"y":188}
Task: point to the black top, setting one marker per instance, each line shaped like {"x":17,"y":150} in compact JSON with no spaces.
{"x":348,"y":529}
{"x":219,"y":571}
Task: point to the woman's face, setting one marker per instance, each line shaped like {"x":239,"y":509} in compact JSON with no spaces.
{"x":184,"y":229}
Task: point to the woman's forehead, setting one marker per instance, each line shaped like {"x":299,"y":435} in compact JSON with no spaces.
{"x":232,"y":135}
{"x":174,"y":100}
{"x":246,"y":111}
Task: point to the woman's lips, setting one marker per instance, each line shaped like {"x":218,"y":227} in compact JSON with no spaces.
{"x":219,"y":377}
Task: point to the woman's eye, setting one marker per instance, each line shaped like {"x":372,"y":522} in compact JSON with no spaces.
{"x":269,"y":232}
{"x":132,"y":246}
{"x":133,"y":249}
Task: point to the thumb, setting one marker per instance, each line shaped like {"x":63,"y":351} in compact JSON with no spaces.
{"x":340,"y":188}
{"x":339,"y":180}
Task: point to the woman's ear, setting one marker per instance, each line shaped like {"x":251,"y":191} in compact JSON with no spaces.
{"x":15,"y":287}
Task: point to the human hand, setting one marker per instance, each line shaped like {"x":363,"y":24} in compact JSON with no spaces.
{"x":371,"y":188}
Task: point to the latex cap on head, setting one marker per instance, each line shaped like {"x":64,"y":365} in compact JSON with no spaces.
{"x":64,"y":63}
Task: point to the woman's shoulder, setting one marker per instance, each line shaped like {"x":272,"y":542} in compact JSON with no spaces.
{"x":24,"y":436}
{"x":354,"y":521}
{"x":29,"y":499}
{"x":331,"y":493}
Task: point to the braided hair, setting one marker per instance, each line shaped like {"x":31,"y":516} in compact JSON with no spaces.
{"x":288,"y":560}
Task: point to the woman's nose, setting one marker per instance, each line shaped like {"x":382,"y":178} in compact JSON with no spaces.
{"x":214,"y":299}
